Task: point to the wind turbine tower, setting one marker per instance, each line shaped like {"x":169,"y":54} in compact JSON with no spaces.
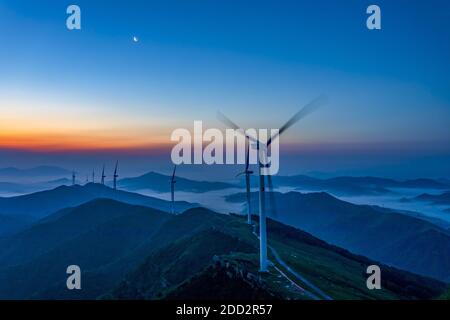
{"x":247,"y":174}
{"x":73,"y":177}
{"x":115,"y":176}
{"x":172,"y":191}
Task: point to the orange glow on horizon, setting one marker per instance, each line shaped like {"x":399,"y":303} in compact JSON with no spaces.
{"x":79,"y":142}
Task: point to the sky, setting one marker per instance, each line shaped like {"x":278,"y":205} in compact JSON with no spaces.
{"x":74,"y":97}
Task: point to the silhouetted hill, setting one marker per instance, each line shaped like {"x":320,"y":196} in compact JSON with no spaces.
{"x":393,"y":238}
{"x":62,"y":226}
{"x":40,"y":204}
{"x":167,"y":256}
{"x":91,"y":236}
{"x":161,"y":183}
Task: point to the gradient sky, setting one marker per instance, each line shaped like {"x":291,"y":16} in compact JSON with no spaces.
{"x":95,"y":90}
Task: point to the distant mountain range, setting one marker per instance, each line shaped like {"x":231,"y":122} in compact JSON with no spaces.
{"x":354,"y":185}
{"x":339,"y":185}
{"x":21,"y":181}
{"x":15,"y":188}
{"x":12,"y":188}
{"x":133,"y":252}
{"x":41,"y":171}
{"x":393,"y":238}
{"x":161,"y":183}
{"x":440,"y":199}
{"x":43,"y":203}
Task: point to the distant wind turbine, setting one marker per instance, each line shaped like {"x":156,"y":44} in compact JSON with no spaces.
{"x":103,"y":175}
{"x":73,"y":177}
{"x":115,"y":176}
{"x":172,"y":191}
{"x":262,"y":155}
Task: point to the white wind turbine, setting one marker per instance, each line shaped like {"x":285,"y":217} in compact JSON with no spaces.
{"x":263,"y":148}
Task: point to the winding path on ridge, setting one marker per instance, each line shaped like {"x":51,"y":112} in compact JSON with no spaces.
{"x":297,"y":275}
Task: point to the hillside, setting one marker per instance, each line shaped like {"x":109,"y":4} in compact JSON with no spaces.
{"x":400,"y":240}
{"x":177,"y":262}
{"x":335,"y":271}
{"x":228,"y":279}
{"x":160,"y":183}
{"x":43,"y":203}
{"x":10,"y":224}
{"x":131,"y":252}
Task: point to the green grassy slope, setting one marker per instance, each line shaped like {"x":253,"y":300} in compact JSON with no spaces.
{"x":445,"y":295}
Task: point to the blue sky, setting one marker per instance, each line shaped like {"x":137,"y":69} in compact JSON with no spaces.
{"x":257,"y":61}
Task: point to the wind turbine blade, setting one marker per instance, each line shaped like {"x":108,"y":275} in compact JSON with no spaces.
{"x":226,"y":121}
{"x":115,"y":169}
{"x":306,"y":110}
{"x":230,"y":124}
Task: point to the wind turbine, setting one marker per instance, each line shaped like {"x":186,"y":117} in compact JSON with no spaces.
{"x":247,"y":173}
{"x":103,"y":175}
{"x":115,"y":176}
{"x":172,"y":190}
{"x":73,"y":177}
{"x":262,"y":155}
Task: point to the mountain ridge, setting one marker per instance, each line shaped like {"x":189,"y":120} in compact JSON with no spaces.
{"x":41,"y":203}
